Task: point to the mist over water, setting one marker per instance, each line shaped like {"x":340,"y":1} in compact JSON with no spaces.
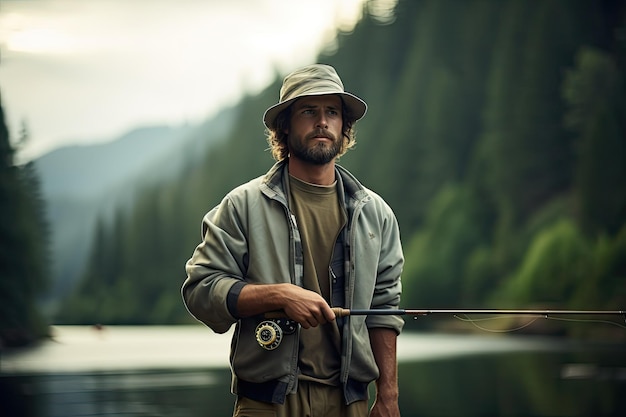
{"x":183,"y":371}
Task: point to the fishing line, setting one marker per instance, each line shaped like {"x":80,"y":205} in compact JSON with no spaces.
{"x":588,"y":321}
{"x":474,"y":322}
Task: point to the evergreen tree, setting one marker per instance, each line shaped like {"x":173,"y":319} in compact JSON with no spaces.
{"x":595,"y":93}
{"x":24,"y":236}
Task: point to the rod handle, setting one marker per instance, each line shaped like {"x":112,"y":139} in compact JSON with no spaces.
{"x":341,"y":312}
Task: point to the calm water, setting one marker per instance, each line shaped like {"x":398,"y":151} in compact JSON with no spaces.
{"x":182,"y":371}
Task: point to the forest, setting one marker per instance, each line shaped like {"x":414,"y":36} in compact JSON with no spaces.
{"x":496,"y":130}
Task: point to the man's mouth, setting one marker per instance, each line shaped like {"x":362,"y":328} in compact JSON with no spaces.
{"x":322,"y":135}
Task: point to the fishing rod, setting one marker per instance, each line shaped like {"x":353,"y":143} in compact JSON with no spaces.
{"x":269,"y":333}
{"x":344,"y":312}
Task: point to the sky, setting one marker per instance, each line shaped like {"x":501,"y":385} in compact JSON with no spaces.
{"x":87,"y":71}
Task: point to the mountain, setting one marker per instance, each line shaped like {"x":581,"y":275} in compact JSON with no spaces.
{"x":86,"y":171}
{"x":84,"y":184}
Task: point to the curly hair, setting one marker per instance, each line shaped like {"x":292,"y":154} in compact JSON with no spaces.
{"x":277,"y":138}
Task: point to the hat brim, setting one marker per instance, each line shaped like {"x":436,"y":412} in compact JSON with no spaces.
{"x":357,"y":107}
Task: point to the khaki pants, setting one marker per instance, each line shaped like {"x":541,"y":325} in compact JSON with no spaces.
{"x":311,"y":400}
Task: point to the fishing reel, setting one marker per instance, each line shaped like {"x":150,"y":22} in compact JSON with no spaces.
{"x":269,"y":333}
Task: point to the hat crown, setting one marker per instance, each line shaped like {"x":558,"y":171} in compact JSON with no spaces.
{"x":311,"y":80}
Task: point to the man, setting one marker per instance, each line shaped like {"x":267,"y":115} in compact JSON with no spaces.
{"x":302,"y":238}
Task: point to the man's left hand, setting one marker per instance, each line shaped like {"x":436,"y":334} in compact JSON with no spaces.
{"x":385,"y":409}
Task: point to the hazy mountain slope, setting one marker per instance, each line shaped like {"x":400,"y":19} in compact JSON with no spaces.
{"x":82,"y":184}
{"x":86,"y":171}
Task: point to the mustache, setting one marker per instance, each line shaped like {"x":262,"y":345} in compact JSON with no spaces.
{"x":321,"y":133}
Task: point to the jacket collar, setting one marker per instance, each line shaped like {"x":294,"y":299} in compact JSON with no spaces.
{"x":276,"y":180}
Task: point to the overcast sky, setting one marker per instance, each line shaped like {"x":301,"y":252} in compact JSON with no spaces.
{"x":85,"y":71}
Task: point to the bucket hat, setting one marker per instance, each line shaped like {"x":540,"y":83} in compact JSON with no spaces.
{"x":313,"y":80}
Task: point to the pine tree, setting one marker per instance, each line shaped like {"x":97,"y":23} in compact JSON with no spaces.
{"x":24,"y":237}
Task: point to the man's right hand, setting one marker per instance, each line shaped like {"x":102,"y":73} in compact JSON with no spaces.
{"x":304,"y":306}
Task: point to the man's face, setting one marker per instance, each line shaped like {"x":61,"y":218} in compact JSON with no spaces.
{"x":314,"y":135}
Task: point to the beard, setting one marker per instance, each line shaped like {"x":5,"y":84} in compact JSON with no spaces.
{"x":319,"y":153}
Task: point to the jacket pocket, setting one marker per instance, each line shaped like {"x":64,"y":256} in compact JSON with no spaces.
{"x":255,"y":364}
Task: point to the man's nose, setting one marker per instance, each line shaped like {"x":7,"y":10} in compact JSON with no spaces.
{"x":321,"y":121}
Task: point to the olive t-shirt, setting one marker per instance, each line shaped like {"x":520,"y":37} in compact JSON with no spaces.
{"x":320,"y":218}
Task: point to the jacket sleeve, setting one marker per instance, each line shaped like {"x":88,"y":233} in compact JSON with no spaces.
{"x":217,"y":268}
{"x":388,"y":288}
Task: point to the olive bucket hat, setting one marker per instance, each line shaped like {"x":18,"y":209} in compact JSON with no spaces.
{"x":313,"y":80}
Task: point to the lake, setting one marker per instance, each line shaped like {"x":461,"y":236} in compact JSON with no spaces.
{"x":183,"y":371}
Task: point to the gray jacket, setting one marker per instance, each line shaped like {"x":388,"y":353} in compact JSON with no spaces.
{"x":251,"y":237}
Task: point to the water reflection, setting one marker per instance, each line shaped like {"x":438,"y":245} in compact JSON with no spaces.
{"x":517,"y":384}
{"x":440,"y":376}
{"x":150,"y":393}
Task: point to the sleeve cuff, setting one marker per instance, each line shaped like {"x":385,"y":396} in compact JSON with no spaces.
{"x":233,"y":297}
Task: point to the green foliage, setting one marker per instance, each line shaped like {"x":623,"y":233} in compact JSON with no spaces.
{"x":603,"y":285}
{"x":564,"y":269}
{"x":24,"y":261}
{"x":438,"y":254}
{"x":496,"y":131}
{"x":553,"y":267}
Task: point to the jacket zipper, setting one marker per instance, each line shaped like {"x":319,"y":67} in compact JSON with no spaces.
{"x":296,"y":280}
{"x":351,"y":278}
